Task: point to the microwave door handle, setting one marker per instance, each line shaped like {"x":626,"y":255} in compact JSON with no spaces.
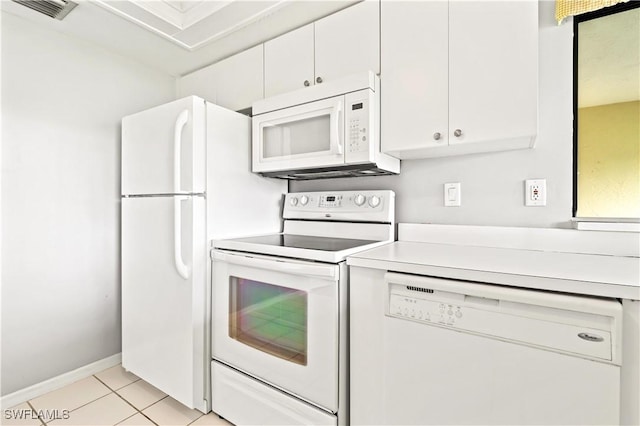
{"x":337,"y":110}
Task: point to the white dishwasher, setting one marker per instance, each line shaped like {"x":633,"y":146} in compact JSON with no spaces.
{"x":458,"y":352}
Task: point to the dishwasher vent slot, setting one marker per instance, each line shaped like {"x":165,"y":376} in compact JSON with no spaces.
{"x":423,"y":290}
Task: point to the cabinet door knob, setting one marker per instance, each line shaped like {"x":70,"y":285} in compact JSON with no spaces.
{"x":437,"y":136}
{"x":306,"y":83}
{"x":319,"y":80}
{"x":457,"y":133}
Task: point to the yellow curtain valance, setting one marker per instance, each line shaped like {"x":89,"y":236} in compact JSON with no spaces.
{"x":566,"y":8}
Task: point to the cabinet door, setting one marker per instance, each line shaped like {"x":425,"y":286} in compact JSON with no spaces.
{"x":493,"y":68}
{"x":348,"y":41}
{"x":288,"y":61}
{"x":414,"y":77}
{"x":200,"y":83}
{"x":234,"y":83}
{"x":239,"y":79}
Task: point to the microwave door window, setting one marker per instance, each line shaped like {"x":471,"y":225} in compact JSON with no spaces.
{"x":297,"y":138}
{"x":277,"y":141}
{"x":269,"y":318}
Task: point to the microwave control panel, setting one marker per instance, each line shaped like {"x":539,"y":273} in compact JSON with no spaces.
{"x":358,"y":134}
{"x":359,"y":122}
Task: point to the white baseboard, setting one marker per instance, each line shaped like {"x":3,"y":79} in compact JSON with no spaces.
{"x":57,"y":382}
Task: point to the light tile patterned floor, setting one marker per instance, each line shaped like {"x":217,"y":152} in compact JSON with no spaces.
{"x":111,"y":397}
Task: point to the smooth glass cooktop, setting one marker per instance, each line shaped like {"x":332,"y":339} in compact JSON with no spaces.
{"x":306,"y":242}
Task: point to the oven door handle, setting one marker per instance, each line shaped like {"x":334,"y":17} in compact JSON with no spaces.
{"x":318,"y":271}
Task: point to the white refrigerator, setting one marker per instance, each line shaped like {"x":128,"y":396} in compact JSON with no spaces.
{"x":186,"y":179}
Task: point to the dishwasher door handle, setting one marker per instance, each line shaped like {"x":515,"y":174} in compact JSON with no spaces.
{"x":481,"y":301}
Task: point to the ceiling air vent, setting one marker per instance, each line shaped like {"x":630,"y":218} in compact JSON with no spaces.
{"x":54,"y":8}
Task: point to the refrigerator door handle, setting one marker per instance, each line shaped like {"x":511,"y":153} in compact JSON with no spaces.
{"x":181,"y":121}
{"x":181,"y":267}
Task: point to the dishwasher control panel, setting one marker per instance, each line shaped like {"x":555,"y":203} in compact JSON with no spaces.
{"x":571,"y":324}
{"x":445,"y":313}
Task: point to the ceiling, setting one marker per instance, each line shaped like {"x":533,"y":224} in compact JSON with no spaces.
{"x":179,"y":37}
{"x":192,"y":24}
{"x":609,"y":59}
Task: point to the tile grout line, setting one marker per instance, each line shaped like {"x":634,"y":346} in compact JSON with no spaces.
{"x":140,"y":411}
{"x":112,"y":389}
{"x":195,"y":420}
{"x":115,"y":391}
{"x":134,"y":407}
{"x":34,"y":410}
{"x":151,"y":405}
{"x":93,"y":400}
{"x":154,"y":403}
{"x":189,"y":424}
{"x":83,"y":405}
{"x":210,"y":412}
{"x":108,"y":387}
{"x":167,"y":396}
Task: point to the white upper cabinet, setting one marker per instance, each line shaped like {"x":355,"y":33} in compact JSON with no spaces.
{"x":200,"y":83}
{"x":234,"y":83}
{"x":458,"y":77}
{"x":289,"y":61}
{"x":341,"y":44}
{"x":493,"y":75}
{"x":240,"y":79}
{"x":348,"y":41}
{"x":414,"y":77}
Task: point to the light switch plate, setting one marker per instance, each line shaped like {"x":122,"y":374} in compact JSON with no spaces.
{"x":535,"y":192}
{"x":452,"y":194}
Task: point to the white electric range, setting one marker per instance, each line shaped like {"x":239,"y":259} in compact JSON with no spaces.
{"x":279,"y":334}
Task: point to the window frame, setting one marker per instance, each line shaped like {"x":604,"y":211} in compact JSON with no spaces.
{"x":577,"y":19}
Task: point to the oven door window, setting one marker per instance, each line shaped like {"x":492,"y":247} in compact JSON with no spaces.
{"x":269,"y":318}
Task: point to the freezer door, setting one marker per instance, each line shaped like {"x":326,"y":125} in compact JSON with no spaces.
{"x":163,"y":149}
{"x":164,"y":293}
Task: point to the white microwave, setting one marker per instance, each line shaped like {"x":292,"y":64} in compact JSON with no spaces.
{"x":324,"y":131}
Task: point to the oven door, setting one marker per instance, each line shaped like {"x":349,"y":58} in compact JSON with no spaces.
{"x":277,"y":320}
{"x":305,"y":136}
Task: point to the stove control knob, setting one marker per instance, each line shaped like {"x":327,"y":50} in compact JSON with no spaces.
{"x":374,"y":201}
{"x":304,"y":200}
{"x":294,"y":201}
{"x":359,"y":199}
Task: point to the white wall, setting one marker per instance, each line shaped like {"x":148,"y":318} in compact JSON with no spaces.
{"x":62,"y":101}
{"x":492,"y":184}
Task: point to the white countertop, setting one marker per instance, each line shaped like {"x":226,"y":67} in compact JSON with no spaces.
{"x":592,"y":274}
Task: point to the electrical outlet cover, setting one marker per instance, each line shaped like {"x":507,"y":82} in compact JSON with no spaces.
{"x":535,"y":192}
